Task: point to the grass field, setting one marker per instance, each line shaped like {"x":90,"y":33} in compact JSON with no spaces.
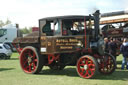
{"x":11,"y":74}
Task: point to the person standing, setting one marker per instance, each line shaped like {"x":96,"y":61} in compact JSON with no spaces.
{"x":124,"y":51}
{"x":106,"y":41}
{"x":112,"y":47}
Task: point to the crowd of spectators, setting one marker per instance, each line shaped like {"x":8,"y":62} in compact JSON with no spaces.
{"x":113,"y":46}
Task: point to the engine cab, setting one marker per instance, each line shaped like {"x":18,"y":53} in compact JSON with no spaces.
{"x":65,"y":34}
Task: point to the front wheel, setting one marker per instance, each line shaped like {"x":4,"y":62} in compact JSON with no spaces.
{"x":87,"y":67}
{"x":30,"y":60}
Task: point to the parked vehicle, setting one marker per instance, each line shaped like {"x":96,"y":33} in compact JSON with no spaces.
{"x":8,"y":34}
{"x":5,"y":51}
{"x":66,"y":41}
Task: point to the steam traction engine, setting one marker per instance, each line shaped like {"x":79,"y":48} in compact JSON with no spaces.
{"x":66,"y":41}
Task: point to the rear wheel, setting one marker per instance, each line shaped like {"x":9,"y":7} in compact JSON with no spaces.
{"x":30,"y":60}
{"x":87,"y":67}
{"x":107,"y":64}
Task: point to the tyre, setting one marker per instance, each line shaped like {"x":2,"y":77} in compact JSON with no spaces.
{"x":87,"y":67}
{"x":107,"y":64}
{"x":3,"y":56}
{"x":30,"y":60}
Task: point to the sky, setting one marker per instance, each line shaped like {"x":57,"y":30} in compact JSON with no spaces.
{"x":27,"y":12}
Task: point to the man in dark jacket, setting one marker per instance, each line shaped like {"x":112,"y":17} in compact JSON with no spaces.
{"x":124,"y":51}
{"x":112,"y":47}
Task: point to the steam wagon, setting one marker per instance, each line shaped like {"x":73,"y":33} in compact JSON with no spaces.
{"x":66,"y":41}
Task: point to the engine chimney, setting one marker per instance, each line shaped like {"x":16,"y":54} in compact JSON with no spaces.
{"x":96,"y":24}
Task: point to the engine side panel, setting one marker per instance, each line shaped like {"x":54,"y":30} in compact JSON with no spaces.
{"x":65,"y":44}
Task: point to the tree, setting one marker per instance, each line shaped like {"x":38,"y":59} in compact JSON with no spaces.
{"x":1,"y":23}
{"x":4,"y":23}
{"x":24,"y":30}
{"x":30,"y":29}
{"x":7,"y":22}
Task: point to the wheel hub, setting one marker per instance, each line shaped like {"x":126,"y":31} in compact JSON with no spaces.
{"x":29,"y":60}
{"x":85,"y":67}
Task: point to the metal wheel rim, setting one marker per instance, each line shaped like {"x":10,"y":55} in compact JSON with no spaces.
{"x":107,"y":65}
{"x":28,"y":60}
{"x":86,"y":73}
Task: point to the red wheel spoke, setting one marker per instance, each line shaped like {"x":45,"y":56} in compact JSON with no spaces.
{"x":91,"y":65}
{"x":34,"y":66}
{"x":82,"y":71}
{"x":34,"y":55}
{"x":26,"y":68}
{"x":81,"y":63}
{"x":86,"y":74}
{"x":30,"y":68}
{"x":92,"y":70}
{"x":24,"y":57}
{"x":25,"y":62}
{"x":86,"y":61}
{"x":35,"y":60}
{"x":91,"y":62}
{"x":30,"y":55}
{"x":108,"y":61}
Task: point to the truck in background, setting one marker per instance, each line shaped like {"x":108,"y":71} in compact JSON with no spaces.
{"x":8,"y":33}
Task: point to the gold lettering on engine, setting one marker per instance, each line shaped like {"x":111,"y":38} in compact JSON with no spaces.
{"x":67,"y":43}
{"x":66,"y":40}
{"x":63,"y":47}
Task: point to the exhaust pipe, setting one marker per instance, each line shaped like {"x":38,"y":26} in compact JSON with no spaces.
{"x":96,"y":24}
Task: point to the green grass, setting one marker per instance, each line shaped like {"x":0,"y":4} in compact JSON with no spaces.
{"x":11,"y":74}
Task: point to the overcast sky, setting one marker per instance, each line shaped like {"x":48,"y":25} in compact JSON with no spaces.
{"x":27,"y":12}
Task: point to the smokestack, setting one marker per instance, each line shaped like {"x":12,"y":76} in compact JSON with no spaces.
{"x":96,"y":24}
{"x":114,"y":13}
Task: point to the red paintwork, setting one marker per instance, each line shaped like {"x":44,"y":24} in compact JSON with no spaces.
{"x":17,"y":49}
{"x":115,"y":31}
{"x":80,"y":67}
{"x":85,"y":31}
{"x":35,"y":29}
{"x":52,"y":57}
{"x":27,"y":66}
{"x":106,"y":65}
